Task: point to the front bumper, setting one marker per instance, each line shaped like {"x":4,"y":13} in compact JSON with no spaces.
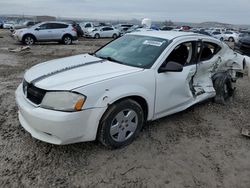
{"x":57,"y":127}
{"x":17,"y":37}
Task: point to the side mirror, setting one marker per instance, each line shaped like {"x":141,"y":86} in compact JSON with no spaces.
{"x":37,"y":29}
{"x":171,"y":66}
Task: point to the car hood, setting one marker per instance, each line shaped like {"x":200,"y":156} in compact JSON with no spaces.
{"x":75,"y":71}
{"x":20,"y":30}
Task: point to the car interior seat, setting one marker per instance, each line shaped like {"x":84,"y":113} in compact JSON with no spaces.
{"x":206,"y":53}
{"x":179,"y":55}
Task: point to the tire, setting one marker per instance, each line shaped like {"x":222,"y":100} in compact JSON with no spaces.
{"x":121,"y":124}
{"x":29,"y":40}
{"x":97,"y":36}
{"x":224,"y":88}
{"x":67,"y":40}
{"x":231,"y":39}
{"x":114,"y":36}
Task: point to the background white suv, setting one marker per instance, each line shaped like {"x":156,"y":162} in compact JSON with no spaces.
{"x":47,"y":32}
{"x":104,"y":32}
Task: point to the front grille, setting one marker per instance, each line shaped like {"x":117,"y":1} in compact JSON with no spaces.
{"x":33,"y":93}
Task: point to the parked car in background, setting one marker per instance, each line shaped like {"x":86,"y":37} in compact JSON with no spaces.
{"x":220,"y":30}
{"x":23,"y":25}
{"x":47,"y":32}
{"x":167,"y":28}
{"x":231,"y":36}
{"x":123,"y":28}
{"x":1,"y":24}
{"x":185,"y":28}
{"x":142,"y":29}
{"x":202,"y":32}
{"x":243,"y":45}
{"x":110,"y":94}
{"x":77,"y":27}
{"x":8,"y":25}
{"x":87,"y":27}
{"x":133,"y":28}
{"x":217,"y":35}
{"x":104,"y":32}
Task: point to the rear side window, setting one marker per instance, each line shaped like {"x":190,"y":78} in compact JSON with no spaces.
{"x":107,"y":29}
{"x":208,"y":50}
{"x":58,"y":26}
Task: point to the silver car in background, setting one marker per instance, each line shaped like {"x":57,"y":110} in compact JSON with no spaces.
{"x":47,"y":32}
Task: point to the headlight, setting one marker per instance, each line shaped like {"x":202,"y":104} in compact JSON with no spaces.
{"x":63,"y":101}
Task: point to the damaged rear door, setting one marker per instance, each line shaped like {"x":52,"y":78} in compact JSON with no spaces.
{"x":208,"y":62}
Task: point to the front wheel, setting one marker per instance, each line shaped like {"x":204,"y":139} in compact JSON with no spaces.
{"x":29,"y":40}
{"x":121,"y":124}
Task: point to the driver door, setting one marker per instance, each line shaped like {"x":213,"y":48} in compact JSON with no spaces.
{"x":174,"y":89}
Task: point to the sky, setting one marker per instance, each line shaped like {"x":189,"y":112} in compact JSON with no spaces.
{"x":226,"y":11}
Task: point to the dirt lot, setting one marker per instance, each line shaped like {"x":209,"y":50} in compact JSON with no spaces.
{"x":200,"y":147}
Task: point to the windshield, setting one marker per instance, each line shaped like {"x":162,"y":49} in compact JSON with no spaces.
{"x":134,"y":50}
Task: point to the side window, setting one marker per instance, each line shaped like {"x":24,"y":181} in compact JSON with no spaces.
{"x":43,"y":26}
{"x":209,"y":49}
{"x":30,"y":23}
{"x":107,"y":29}
{"x":87,"y":25}
{"x":182,"y":54}
{"x":58,"y":26}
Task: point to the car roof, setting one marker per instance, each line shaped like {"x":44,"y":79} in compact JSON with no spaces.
{"x":169,"y":35}
{"x":55,"y":22}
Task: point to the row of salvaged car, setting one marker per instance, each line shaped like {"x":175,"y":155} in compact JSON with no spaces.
{"x":65,"y":32}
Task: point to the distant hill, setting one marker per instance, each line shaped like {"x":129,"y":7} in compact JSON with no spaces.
{"x":214,"y":24}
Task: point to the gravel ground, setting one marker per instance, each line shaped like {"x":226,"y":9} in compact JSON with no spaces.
{"x":200,"y":147}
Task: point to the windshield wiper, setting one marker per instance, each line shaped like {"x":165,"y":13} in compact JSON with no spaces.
{"x":114,"y":60}
{"x":109,"y":59}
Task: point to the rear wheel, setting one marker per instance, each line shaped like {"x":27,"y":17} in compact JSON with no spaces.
{"x":67,"y":39}
{"x":231,"y":39}
{"x":29,"y":39}
{"x":114,"y":36}
{"x":224,"y":88}
{"x":121,"y":124}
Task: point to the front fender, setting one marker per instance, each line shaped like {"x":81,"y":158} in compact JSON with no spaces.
{"x":102,"y":94}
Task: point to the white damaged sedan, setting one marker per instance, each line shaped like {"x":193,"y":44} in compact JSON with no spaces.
{"x":110,"y":94}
